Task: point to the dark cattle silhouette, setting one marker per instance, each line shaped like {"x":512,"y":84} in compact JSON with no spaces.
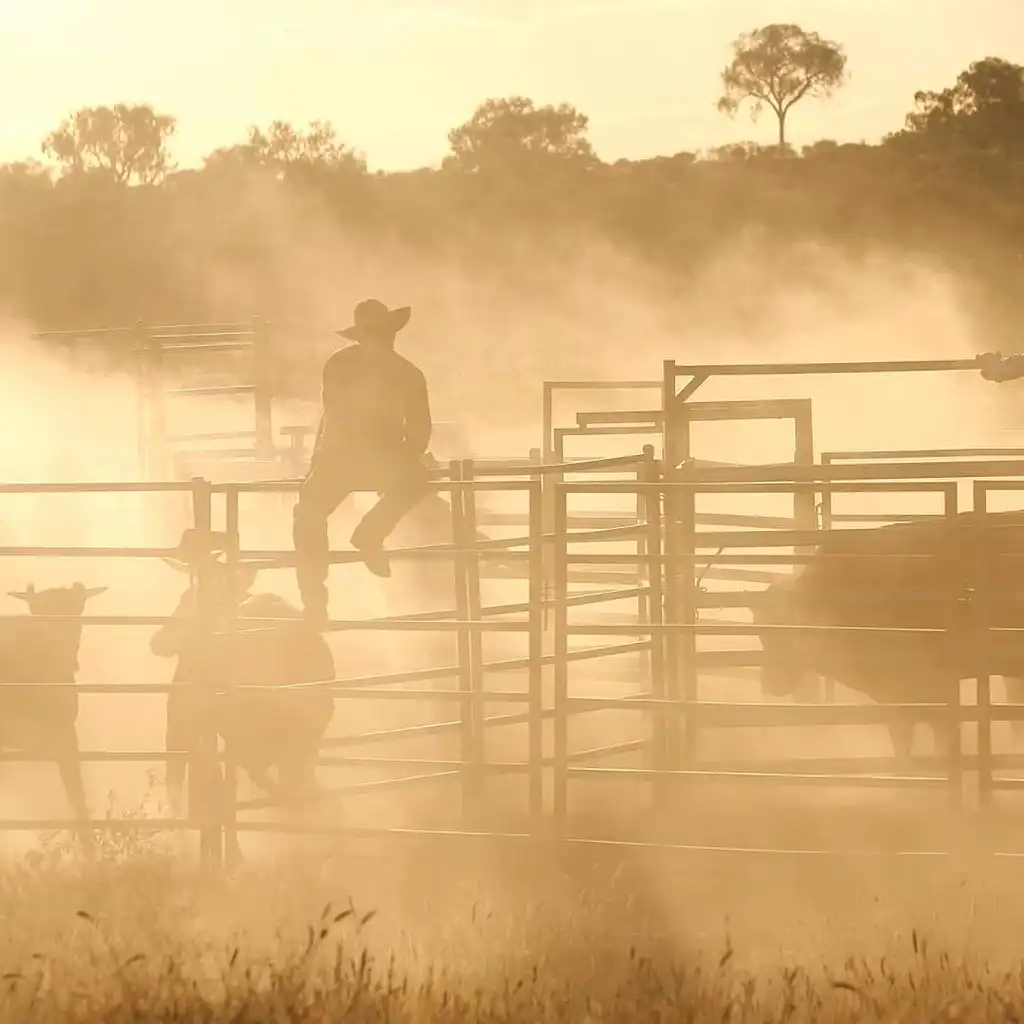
{"x":939,"y":574}
{"x":40,"y":717}
{"x":261,"y":729}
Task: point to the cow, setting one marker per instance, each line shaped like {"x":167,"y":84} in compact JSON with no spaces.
{"x":261,"y":728}
{"x":943,"y":573}
{"x":40,"y":717}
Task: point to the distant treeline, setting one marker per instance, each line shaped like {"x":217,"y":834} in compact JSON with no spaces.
{"x":109,"y":231}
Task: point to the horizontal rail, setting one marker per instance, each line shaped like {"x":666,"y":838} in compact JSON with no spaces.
{"x":196,"y":346}
{"x":109,"y":487}
{"x":860,"y":366}
{"x":654,"y":416}
{"x":204,"y":335}
{"x":602,"y":385}
{"x":777,"y":778}
{"x":99,"y":757}
{"x":852,"y":455}
{"x":438,"y":480}
{"x":482,"y":469}
{"x":796,"y":473}
{"x":100,"y":824}
{"x":755,"y":558}
{"x":217,"y":389}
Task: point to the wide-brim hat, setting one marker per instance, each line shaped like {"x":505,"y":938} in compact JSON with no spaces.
{"x":371,"y":319}
{"x":195,"y":548}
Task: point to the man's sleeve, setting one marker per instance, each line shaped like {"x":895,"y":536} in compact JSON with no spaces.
{"x":418,"y":423}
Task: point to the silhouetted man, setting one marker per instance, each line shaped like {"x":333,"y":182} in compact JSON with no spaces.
{"x":373,"y":435}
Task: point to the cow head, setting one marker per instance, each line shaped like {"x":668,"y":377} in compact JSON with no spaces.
{"x":784,"y":670}
{"x":52,"y":646}
{"x":69,"y":601}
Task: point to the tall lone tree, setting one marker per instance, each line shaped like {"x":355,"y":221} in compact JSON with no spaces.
{"x":777,"y":66}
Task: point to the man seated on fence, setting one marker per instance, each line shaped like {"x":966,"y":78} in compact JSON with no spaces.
{"x":999,"y":368}
{"x":373,"y":436}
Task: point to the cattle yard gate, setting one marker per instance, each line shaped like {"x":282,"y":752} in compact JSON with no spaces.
{"x":646,"y":561}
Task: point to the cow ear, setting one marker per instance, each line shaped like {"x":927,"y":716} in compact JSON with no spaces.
{"x":21,"y":595}
{"x":95,"y":592}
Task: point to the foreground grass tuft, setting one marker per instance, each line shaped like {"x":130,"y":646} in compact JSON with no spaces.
{"x":144,"y":939}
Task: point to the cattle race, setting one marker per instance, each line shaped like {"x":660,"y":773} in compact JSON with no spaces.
{"x":554,"y":633}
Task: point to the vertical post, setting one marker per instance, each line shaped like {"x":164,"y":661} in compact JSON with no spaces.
{"x":953,"y":721}
{"x":548,"y":416}
{"x":803,"y":455}
{"x":536,"y":657}
{"x":805,"y":506}
{"x":263,"y":393}
{"x":229,"y":803}
{"x":669,"y":456}
{"x":981,"y":636}
{"x":545,"y":481}
{"x":561,"y":660}
{"x":656,"y":662}
{"x":205,"y":781}
{"x":465,"y":664}
{"x":680,"y":598}
{"x":684,"y":521}
{"x":826,"y":496}
{"x":474,"y":607}
{"x":643,"y":574}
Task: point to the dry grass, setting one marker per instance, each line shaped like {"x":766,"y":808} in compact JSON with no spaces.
{"x":501,"y":937}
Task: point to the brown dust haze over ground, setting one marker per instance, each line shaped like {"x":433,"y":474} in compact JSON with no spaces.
{"x":486,"y":341}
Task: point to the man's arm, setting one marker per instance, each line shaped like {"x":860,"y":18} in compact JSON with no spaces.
{"x":418,"y":423}
{"x":333,"y":381}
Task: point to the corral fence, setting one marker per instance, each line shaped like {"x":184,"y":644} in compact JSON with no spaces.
{"x":158,"y":352}
{"x":662,"y":571}
{"x":669,"y":694}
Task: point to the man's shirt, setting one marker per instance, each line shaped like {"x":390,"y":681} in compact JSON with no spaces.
{"x":376,"y":399}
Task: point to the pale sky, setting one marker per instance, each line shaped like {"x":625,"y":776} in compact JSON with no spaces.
{"x":395,"y":75}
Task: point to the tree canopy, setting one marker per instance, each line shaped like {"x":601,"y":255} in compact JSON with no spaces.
{"x":512,"y":136}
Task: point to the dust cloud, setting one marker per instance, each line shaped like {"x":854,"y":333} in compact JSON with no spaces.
{"x":487,"y":336}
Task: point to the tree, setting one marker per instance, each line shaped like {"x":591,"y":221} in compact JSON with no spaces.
{"x":515,"y":135}
{"x":125,"y":143}
{"x":777,"y":66}
{"x":282,"y":148}
{"x":984,"y":109}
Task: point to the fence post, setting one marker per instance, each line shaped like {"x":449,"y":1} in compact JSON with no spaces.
{"x":476,"y":638}
{"x":561,"y":661}
{"x":644,"y":610}
{"x":981,"y":625}
{"x":263,"y":398}
{"x":465,"y":663}
{"x":652,"y":512}
{"x":229,"y":803}
{"x":537,"y":614}
{"x":205,"y":781}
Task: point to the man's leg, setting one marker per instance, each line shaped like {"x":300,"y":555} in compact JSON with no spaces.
{"x":323,"y":490}
{"x":405,"y":482}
